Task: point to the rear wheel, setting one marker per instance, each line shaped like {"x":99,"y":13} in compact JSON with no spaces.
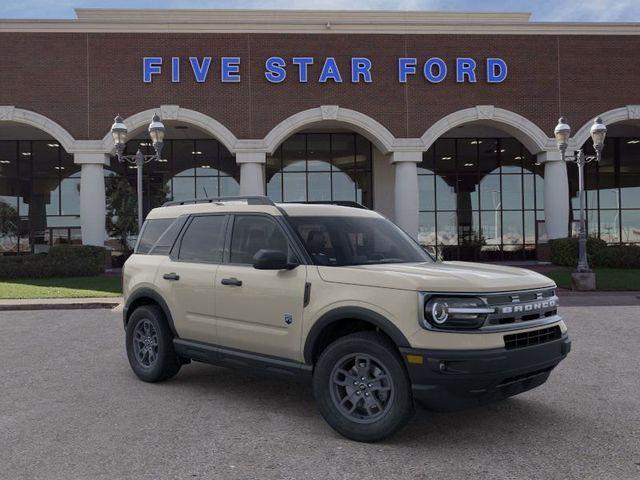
{"x":150,"y":345}
{"x":362,"y":388}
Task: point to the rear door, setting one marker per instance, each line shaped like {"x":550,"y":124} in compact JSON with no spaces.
{"x":187,"y":277}
{"x":259,"y":310}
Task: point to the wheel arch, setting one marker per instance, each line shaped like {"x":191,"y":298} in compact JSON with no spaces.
{"x":339,"y":317}
{"x":147,"y":296}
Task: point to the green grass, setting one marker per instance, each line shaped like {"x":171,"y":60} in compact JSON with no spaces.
{"x":606,"y":278}
{"x":71,"y":287}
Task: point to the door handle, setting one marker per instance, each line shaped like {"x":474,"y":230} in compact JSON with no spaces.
{"x":171,"y":276}
{"x":233,"y":282}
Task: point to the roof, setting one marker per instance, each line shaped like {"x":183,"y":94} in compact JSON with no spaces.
{"x":293,"y":209}
{"x":310,"y":21}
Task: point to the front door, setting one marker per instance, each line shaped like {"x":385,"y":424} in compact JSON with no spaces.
{"x":187,"y":279}
{"x":259,"y":310}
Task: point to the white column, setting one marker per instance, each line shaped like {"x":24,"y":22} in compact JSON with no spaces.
{"x":251,"y":172}
{"x":406,"y":190}
{"x":556,"y":194}
{"x":92,"y":197}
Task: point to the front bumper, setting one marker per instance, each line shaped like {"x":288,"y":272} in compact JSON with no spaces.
{"x":456,"y":379}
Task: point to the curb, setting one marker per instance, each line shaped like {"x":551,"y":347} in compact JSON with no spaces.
{"x":78,"y":305}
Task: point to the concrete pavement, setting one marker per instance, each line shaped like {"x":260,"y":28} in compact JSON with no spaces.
{"x":71,"y":408}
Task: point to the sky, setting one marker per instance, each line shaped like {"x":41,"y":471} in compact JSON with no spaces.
{"x":542,"y":10}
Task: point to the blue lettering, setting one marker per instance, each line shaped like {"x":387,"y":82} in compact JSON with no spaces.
{"x":200,"y":72}
{"x":496,"y":70}
{"x":303,"y":66}
{"x":230,"y":69}
{"x":360,"y":67}
{"x":406,"y":66}
{"x":151,"y":66}
{"x":465,"y":67}
{"x":275,"y":69}
{"x":175,"y":69}
{"x":330,"y":71}
{"x":428,"y":70}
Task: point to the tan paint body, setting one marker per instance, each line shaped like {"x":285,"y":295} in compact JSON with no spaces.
{"x":252,"y":317}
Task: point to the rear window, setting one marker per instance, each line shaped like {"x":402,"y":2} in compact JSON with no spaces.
{"x":151,"y":232}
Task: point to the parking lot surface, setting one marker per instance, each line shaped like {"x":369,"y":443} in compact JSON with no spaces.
{"x":70,"y":408}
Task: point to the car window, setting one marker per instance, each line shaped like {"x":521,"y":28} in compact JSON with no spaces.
{"x":151,"y":231}
{"x":165,"y":242}
{"x":341,"y":241}
{"x":252,"y":233}
{"x":203,"y":241}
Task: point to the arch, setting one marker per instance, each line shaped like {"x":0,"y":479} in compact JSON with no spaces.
{"x":9,"y":113}
{"x":177,"y":113}
{"x":373,"y":130}
{"x":527,"y":132}
{"x":629,"y":112}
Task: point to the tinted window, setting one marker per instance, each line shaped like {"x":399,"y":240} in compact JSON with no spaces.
{"x":168,"y":238}
{"x":204,"y":239}
{"x":253,"y":233}
{"x":151,"y":231}
{"x":339,"y":241}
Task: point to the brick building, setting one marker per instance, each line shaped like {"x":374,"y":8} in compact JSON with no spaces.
{"x":441,"y":121}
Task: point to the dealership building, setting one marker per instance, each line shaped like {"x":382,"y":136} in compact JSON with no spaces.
{"x":441,"y":121}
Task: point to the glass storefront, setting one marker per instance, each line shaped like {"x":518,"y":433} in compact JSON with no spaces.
{"x":39,"y":196}
{"x":612,"y":189}
{"x":480,"y":199}
{"x":321,"y":167}
{"x":197,"y":168}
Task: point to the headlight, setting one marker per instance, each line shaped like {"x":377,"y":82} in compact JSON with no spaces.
{"x":456,"y":312}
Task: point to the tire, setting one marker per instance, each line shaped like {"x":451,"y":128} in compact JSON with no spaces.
{"x":384,"y":403}
{"x":152,"y":357}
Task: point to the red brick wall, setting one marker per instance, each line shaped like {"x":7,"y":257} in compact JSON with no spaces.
{"x":82,"y":80}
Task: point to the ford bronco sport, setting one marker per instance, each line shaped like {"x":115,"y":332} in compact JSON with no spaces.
{"x":342,"y":296}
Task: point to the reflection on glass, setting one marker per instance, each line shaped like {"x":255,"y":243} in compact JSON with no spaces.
{"x":610,"y":225}
{"x":512,"y":192}
{"x":207,"y":187}
{"x":336,"y":166}
{"x":447,"y":228}
{"x":426,"y":192}
{"x":445,"y":194}
{"x":630,"y":222}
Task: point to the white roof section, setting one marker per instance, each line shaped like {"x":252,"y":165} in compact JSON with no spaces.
{"x":310,"y":21}
{"x":241,"y":206}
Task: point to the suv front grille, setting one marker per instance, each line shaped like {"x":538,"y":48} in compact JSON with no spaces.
{"x":516,"y":307}
{"x":534,"y":337}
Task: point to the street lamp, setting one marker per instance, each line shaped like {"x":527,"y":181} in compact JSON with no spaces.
{"x":562,"y":133}
{"x":119,"y":133}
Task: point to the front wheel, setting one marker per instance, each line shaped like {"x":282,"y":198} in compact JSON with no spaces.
{"x":362,"y":388}
{"x":150,"y":345}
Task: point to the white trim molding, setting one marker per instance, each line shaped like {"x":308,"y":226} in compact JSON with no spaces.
{"x":629,"y":112}
{"x":527,"y":132}
{"x":373,"y":130}
{"x":10,"y":113}
{"x":179,"y":114}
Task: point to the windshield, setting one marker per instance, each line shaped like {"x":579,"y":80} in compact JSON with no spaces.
{"x":341,"y":241}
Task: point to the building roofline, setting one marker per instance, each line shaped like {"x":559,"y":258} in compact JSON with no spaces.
{"x":311,"y":22}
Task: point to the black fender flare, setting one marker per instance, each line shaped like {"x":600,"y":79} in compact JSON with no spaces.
{"x":146,"y":292}
{"x":355,"y":313}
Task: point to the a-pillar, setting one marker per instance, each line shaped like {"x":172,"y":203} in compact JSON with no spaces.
{"x":556,"y":194}
{"x":92,"y":197}
{"x":406,"y":190}
{"x":251,"y":172}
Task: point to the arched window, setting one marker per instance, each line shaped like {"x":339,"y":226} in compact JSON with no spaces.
{"x":321,"y":167}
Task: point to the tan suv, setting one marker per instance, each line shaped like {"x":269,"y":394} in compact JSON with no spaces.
{"x":342,"y":296}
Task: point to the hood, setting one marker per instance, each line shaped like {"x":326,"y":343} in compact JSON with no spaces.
{"x":438,"y":277}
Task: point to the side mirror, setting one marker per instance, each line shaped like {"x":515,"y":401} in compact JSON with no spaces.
{"x":272,"y":260}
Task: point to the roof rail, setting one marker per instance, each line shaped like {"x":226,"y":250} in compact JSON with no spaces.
{"x":250,"y":199}
{"x":341,"y":203}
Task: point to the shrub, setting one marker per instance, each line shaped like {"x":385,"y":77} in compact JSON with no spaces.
{"x":564,"y":251}
{"x":61,"y":261}
{"x":618,"y":256}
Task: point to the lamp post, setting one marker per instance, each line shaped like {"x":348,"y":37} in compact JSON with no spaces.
{"x":562,"y":133}
{"x":156,"y":132}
